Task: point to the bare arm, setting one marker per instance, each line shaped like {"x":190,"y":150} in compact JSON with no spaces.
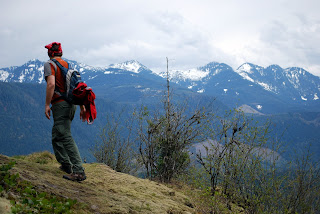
{"x":49,"y":93}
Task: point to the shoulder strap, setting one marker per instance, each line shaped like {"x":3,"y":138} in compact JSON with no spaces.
{"x":56,"y":90}
{"x":58,"y":63}
{"x":54,"y":65}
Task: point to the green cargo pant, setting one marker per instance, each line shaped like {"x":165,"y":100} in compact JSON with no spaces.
{"x":64,"y":147}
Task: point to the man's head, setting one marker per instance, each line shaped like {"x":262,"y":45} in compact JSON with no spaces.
{"x":54,"y":49}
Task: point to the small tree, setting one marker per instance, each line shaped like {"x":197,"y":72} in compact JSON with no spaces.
{"x":164,"y":137}
{"x":302,"y":189}
{"x":114,"y":146}
{"x":235,"y":157}
{"x":244,"y":162}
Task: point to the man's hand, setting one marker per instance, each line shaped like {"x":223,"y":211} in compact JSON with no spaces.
{"x":83,"y":113}
{"x":47,"y":111}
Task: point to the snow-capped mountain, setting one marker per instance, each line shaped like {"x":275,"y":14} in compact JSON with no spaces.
{"x":266,"y":90}
{"x":263,"y":89}
{"x":121,"y":82}
{"x":31,"y":71}
{"x":294,"y":83}
{"x":132,"y":65}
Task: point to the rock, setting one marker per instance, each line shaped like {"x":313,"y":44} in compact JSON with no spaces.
{"x":94,"y":207}
{"x":12,"y":196}
{"x":172,"y":193}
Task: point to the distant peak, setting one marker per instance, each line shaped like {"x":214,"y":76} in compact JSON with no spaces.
{"x":249,"y":68}
{"x":33,"y":61}
{"x":132,"y":61}
{"x":274,"y":66}
{"x":214,"y":66}
{"x":296,"y":71}
{"x":213,"y":63}
{"x":247,"y":64}
{"x":128,"y":62}
{"x":131,"y":65}
{"x":246,"y":67}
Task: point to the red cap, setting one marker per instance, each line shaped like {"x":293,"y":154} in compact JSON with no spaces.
{"x":56,"y":49}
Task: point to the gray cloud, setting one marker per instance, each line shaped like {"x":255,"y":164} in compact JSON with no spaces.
{"x":190,"y":33}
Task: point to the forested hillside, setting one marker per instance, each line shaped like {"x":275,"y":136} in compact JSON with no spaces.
{"x":24,"y":128}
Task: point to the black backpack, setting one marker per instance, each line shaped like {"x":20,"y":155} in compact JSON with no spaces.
{"x":72,"y":79}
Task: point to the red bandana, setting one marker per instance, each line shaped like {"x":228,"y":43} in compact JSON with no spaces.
{"x":50,"y":52}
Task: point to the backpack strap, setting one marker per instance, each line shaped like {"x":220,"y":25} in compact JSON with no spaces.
{"x":53,"y":64}
{"x":56,"y":90}
{"x":58,"y":63}
{"x":67,"y":73}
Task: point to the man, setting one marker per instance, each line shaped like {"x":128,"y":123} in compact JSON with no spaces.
{"x":64,"y":147}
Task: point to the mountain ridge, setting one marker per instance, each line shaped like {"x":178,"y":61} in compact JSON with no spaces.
{"x":134,"y":66}
{"x":249,"y":84}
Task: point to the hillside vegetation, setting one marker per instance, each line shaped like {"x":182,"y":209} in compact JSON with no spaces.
{"x":104,"y":191}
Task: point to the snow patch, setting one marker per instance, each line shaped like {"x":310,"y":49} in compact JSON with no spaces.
{"x":246,"y":68}
{"x":244,"y":71}
{"x":192,"y":85}
{"x":41,"y":77}
{"x":132,"y":66}
{"x":303,"y":98}
{"x":267,"y":87}
{"x":21,"y":78}
{"x":146,"y":90}
{"x":4,"y":75}
{"x":246,"y":76}
{"x":41,"y":69}
{"x":90,"y":78}
{"x":32,"y":66}
{"x":32,"y":76}
{"x":192,"y":74}
{"x":259,"y":107}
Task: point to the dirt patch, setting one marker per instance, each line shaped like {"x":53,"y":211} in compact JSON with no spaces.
{"x":5,"y":206}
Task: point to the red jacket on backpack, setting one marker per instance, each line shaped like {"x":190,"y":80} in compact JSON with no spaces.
{"x":85,"y":93}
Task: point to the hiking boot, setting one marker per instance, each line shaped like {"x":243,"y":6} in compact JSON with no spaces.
{"x":80,"y":176}
{"x":66,"y":168}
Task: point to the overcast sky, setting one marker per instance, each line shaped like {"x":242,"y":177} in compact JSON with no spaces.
{"x":191,"y":33}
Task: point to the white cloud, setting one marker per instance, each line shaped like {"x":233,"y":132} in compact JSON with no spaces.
{"x":190,"y":33}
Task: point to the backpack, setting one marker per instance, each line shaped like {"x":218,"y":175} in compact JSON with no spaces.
{"x":72,"y":79}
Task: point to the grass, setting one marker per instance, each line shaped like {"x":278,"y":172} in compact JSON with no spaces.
{"x":25,"y":198}
{"x":202,"y":201}
{"x":104,"y":191}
